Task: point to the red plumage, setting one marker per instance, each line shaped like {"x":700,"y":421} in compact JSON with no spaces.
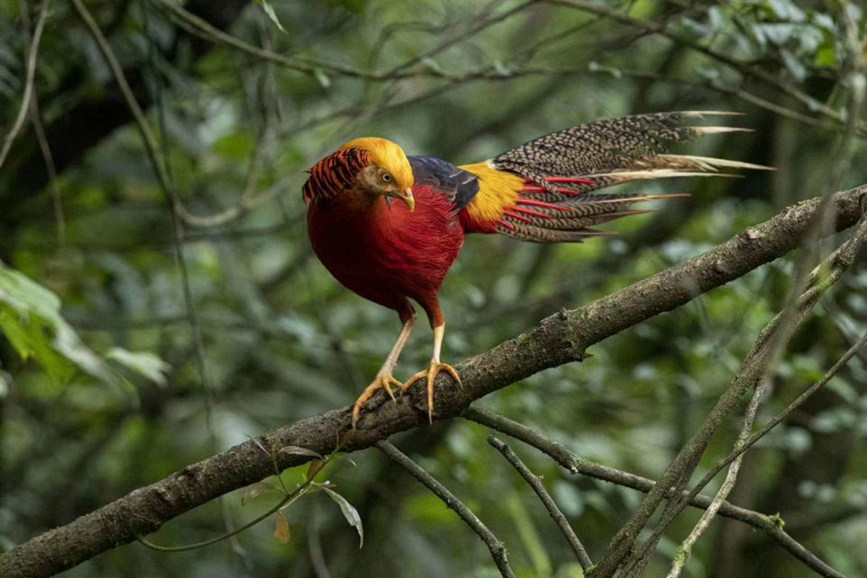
{"x":386,"y":253}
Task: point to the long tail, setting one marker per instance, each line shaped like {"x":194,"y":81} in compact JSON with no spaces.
{"x":542,"y":190}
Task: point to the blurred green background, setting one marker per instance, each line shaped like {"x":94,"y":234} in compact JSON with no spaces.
{"x":281,"y":340}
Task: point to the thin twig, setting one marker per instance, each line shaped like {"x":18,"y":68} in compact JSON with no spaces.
{"x":289,"y":498}
{"x":44,"y":148}
{"x":247,"y":202}
{"x":771,"y":340}
{"x":726,"y":488}
{"x":771,"y":525}
{"x":547,"y":501}
{"x":745,"y":69}
{"x":51,"y":168}
{"x":498,"y":550}
{"x":478,"y":24}
{"x":202,"y":28}
{"x":754,"y":369}
{"x":766,"y":429}
{"x":172,"y":204}
{"x":29,"y":79}
{"x":150,"y":141}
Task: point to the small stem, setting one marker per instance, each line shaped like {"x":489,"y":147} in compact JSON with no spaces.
{"x":577,"y":465}
{"x":498,"y":550}
{"x":725,"y":490}
{"x":29,"y":79}
{"x":536,"y":483}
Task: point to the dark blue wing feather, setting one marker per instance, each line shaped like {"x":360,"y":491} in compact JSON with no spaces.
{"x":458,"y":185}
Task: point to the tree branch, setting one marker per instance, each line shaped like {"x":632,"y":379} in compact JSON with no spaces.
{"x":768,"y":346}
{"x":771,"y":525}
{"x":728,"y":485}
{"x":29,"y":79}
{"x":498,"y":550}
{"x":558,"y":339}
{"x":535,"y":482}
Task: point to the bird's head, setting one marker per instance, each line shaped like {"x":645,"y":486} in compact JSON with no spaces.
{"x":364,"y":169}
{"x":387,"y":172}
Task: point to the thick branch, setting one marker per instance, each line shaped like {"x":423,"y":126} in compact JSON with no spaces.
{"x":557,"y":340}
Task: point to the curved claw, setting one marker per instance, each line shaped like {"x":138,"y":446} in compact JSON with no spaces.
{"x":431,"y":375}
{"x":381,"y":382}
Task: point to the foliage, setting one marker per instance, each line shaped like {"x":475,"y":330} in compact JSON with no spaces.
{"x":30,"y":320}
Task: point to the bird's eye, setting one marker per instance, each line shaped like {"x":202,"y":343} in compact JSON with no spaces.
{"x":386,"y":177}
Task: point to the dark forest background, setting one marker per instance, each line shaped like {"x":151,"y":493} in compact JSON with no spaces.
{"x":149,"y":325}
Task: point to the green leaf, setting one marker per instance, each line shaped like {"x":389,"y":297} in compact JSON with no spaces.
{"x":349,"y":512}
{"x":594,"y":66}
{"x":148,"y":365}
{"x":29,"y":338}
{"x":68,"y":344}
{"x":25,"y":296}
{"x":432,"y":64}
{"x":236,"y":146}
{"x":787,"y":10}
{"x":793,"y":65}
{"x":29,"y":317}
{"x":826,"y":57}
{"x":31,"y":321}
{"x":322,"y":78}
{"x":269,"y":11}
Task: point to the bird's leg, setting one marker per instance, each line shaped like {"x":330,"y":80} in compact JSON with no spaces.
{"x":435,"y":368}
{"x":384,"y":378}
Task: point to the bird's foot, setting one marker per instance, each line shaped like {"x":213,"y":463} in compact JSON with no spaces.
{"x":384,"y":381}
{"x":430,"y":375}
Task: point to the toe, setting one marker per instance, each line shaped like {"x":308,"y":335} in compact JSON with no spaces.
{"x":431,"y":379}
{"x":453,"y":373}
{"x":418,"y":376}
{"x":386,"y":385}
{"x":395,"y":382}
{"x":382,"y":382}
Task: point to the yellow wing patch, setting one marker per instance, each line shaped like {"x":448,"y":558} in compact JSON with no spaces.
{"x":498,"y":190}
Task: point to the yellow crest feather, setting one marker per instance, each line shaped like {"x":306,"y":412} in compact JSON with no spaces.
{"x":386,"y":154}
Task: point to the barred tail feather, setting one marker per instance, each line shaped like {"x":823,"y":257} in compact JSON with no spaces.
{"x":545,"y":235}
{"x":554,"y":202}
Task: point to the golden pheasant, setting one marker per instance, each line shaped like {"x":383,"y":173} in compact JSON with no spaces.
{"x":389,"y":226}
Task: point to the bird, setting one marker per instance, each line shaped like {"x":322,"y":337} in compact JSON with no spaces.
{"x":389,"y":226}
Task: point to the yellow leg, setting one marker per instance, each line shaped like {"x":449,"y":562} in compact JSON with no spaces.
{"x":436,"y":367}
{"x":384,"y":378}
